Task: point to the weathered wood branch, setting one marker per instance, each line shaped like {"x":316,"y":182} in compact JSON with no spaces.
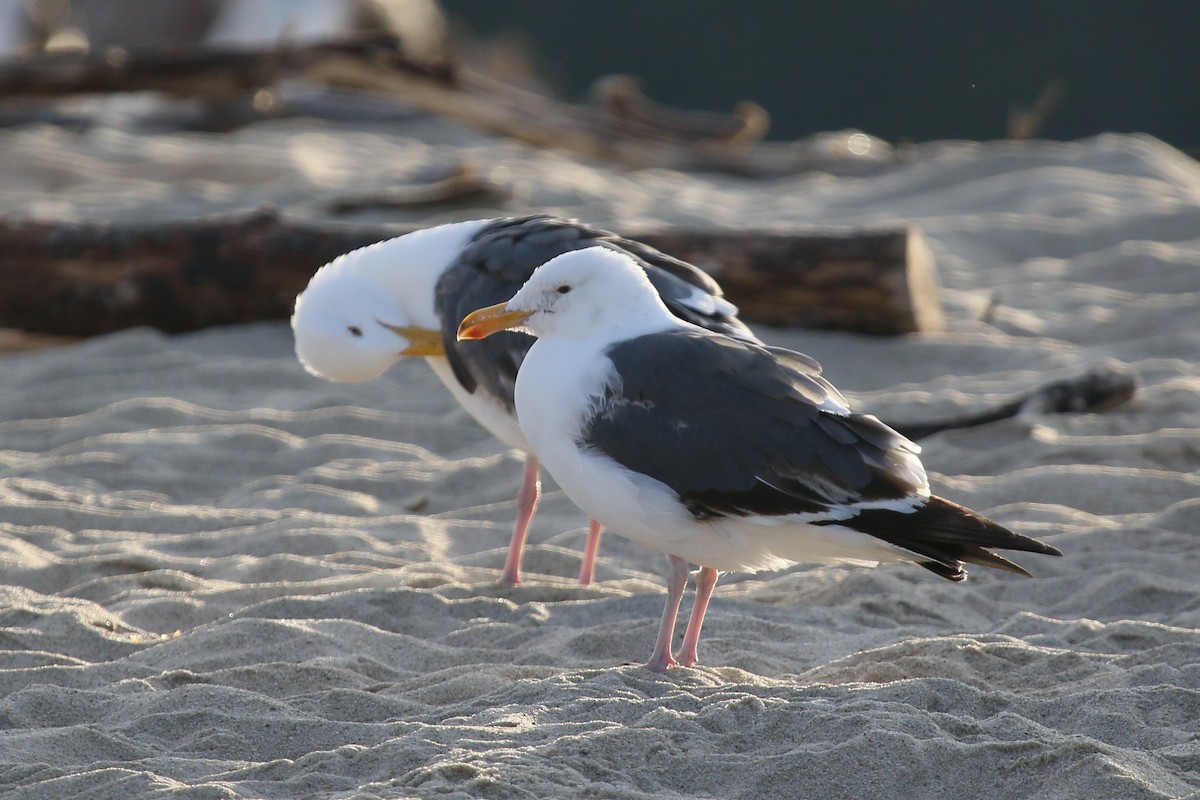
{"x":623,"y":127}
{"x":84,"y":279}
{"x":1101,"y":388}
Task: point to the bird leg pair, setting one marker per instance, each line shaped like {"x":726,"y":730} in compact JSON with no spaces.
{"x":677,"y":574}
{"x":527,"y":500}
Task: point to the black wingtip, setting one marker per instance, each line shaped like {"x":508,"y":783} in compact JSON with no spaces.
{"x":951,"y":572}
{"x":951,"y":522}
{"x":945,"y":535}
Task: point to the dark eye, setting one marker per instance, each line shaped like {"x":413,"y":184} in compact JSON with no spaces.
{"x":354,"y":330}
{"x":563,"y":289}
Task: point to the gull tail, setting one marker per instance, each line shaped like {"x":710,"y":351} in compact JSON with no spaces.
{"x":942,"y":536}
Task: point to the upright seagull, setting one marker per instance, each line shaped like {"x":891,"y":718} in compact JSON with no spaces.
{"x":721,"y":452}
{"x":419,"y":287}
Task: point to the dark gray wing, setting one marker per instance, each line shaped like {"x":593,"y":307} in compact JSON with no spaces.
{"x":734,"y":428}
{"x":484,"y":274}
{"x":738,"y":429}
{"x":502,"y":256}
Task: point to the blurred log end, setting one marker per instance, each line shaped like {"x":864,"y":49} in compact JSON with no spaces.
{"x":881,"y":282}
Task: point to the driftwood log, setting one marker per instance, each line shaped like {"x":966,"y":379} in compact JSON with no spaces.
{"x":622,"y":126}
{"x":84,"y":279}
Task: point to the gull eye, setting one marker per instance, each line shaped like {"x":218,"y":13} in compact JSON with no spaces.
{"x":563,"y":289}
{"x":354,"y":330}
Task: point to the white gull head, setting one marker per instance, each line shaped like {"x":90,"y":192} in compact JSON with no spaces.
{"x":595,"y":293}
{"x":342,"y":330}
{"x":367,"y":309}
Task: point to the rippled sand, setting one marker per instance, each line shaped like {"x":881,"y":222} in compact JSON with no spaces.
{"x":223,"y":577}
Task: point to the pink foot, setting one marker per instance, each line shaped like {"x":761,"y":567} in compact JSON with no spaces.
{"x":661,"y":666}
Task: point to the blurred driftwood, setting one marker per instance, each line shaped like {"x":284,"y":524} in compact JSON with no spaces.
{"x":1101,"y":388}
{"x":623,"y":126}
{"x":1027,"y":123}
{"x":84,"y":279}
{"x":203,"y":73}
{"x":14,"y":341}
{"x":461,"y":185}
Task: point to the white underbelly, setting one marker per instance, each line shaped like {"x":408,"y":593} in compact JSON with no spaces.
{"x":646,"y":511}
{"x":484,"y":409}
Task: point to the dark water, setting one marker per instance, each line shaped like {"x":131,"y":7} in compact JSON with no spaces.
{"x":905,"y":70}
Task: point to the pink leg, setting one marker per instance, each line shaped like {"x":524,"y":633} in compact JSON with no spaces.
{"x":587,"y":569}
{"x":662,"y":659}
{"x":706,"y":581}
{"x":527,"y":500}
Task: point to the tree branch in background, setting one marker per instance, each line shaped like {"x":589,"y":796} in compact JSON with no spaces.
{"x":624,"y":127}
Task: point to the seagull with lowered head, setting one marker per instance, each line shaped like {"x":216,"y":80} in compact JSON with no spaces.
{"x":404,"y":297}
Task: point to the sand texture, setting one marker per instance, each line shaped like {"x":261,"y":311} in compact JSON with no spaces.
{"x":225,"y":578}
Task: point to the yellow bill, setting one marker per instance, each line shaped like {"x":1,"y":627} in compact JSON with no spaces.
{"x":421,"y":341}
{"x":493,"y":319}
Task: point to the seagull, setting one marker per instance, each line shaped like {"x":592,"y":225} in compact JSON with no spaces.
{"x":404,"y":297}
{"x":716,"y":451}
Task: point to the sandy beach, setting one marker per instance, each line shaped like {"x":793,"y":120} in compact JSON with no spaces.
{"x":221,"y":577}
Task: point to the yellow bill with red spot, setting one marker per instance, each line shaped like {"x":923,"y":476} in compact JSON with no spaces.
{"x":492,"y":319}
